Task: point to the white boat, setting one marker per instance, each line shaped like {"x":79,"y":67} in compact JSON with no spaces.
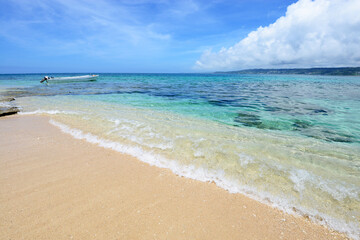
{"x":84,"y":78}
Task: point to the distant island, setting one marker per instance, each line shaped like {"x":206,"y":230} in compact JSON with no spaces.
{"x":341,"y":71}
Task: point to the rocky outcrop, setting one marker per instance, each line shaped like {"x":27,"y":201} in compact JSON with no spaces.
{"x":8,"y":111}
{"x":7,"y":107}
{"x":7,"y":99}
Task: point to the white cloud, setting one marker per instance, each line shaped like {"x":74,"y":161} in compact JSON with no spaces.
{"x":311,"y":34}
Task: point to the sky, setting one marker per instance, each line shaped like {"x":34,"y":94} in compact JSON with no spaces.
{"x":147,"y":36}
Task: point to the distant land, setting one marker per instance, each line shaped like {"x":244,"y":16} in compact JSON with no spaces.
{"x":341,"y":71}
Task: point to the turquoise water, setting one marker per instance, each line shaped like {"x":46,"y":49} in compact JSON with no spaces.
{"x":291,"y":141}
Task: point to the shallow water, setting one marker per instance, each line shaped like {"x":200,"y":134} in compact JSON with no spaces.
{"x":290,"y":141}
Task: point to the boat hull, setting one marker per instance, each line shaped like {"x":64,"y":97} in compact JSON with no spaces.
{"x":85,"y":78}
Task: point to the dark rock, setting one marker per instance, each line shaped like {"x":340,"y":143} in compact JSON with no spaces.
{"x":5,"y":111}
{"x":7,"y":99}
{"x":7,"y":107}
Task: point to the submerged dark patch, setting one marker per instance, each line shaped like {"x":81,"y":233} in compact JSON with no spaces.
{"x":219,"y":102}
{"x":321,"y":133}
{"x":248,"y":119}
{"x":301,"y":124}
{"x":252,"y":120}
{"x":274,"y":109}
{"x":312,"y":111}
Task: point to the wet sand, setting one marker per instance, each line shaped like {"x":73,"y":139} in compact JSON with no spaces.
{"x":55,"y":187}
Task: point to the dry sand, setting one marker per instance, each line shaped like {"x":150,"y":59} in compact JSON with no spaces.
{"x":55,"y":187}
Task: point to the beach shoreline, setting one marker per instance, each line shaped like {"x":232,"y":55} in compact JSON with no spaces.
{"x":56,"y":187}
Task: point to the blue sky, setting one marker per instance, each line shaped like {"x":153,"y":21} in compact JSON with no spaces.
{"x":155,"y":36}
{"x":123,"y":36}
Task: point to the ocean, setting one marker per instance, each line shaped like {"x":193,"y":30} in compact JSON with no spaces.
{"x":290,"y":141}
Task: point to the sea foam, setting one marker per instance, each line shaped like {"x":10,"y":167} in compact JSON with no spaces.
{"x":299,"y":177}
{"x":50,"y":112}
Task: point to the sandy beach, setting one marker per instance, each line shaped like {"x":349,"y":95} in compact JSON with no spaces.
{"x":55,"y":187}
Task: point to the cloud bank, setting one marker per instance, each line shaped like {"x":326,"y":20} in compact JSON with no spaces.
{"x":312,"y":34}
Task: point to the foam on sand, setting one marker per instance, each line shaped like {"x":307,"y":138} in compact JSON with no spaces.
{"x":57,"y":187}
{"x":218,"y":176}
